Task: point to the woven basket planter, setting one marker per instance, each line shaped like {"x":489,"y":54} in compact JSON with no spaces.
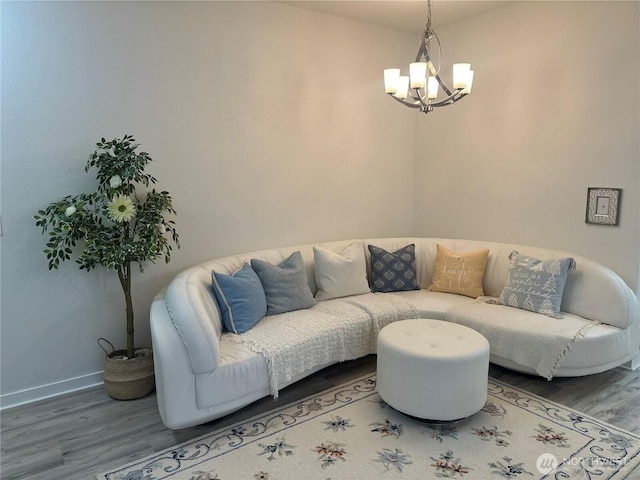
{"x":128,"y":379}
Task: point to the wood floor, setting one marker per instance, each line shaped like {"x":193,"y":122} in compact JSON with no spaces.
{"x":81,"y":434}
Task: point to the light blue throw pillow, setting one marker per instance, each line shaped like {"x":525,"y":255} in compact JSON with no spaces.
{"x":393,"y":271}
{"x":536,"y":285}
{"x":285,"y":284}
{"x":241,"y":298}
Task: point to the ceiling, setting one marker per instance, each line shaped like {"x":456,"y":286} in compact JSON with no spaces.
{"x":405,"y":15}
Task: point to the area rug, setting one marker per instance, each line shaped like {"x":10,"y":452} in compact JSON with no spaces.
{"x":349,"y":432}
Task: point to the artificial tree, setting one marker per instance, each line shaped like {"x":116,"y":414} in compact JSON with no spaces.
{"x":121,"y":223}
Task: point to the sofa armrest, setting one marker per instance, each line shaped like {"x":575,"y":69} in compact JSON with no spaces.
{"x":196,"y":317}
{"x":175,"y":380}
{"x":596,"y":292}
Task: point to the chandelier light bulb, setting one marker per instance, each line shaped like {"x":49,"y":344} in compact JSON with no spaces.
{"x":467,"y":89}
{"x":391,"y":76}
{"x":403,"y":86}
{"x":417,"y":74}
{"x":432,"y":88}
{"x":461,"y":75}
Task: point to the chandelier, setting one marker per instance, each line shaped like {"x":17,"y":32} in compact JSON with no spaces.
{"x":420,"y":89}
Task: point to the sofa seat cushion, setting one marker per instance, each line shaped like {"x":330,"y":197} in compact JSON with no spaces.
{"x":241,"y":373}
{"x":332,"y":331}
{"x":603,"y":347}
{"x":431,"y":304}
{"x":530,"y":339}
{"x":241,"y":379}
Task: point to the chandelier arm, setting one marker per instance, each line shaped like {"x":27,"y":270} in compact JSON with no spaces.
{"x":404,"y":102}
{"x":442,"y":84}
{"x":420,"y":99}
{"x":450,"y":100}
{"x":424,"y":51}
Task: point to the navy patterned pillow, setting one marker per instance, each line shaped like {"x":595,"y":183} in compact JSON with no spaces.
{"x":393,"y":271}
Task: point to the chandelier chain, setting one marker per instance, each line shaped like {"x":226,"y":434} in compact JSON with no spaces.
{"x":427,"y":30}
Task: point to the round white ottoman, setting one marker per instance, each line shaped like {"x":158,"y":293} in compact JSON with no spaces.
{"x":432,"y":369}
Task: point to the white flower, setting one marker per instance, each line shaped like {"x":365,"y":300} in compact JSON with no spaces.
{"x":112,"y":151}
{"x":121,"y":209}
{"x":115,"y":181}
{"x":70,"y":211}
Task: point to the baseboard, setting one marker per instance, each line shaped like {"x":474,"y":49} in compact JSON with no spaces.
{"x":50,"y":390}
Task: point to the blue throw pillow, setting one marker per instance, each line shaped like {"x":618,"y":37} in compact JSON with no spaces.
{"x":536,"y":285}
{"x":285,"y":285}
{"x":240,"y":297}
{"x":393,"y":271}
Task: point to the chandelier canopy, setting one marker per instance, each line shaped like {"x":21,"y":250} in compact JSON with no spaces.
{"x":420,"y":89}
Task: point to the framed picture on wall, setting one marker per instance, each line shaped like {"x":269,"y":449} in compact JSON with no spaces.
{"x":603,"y":205}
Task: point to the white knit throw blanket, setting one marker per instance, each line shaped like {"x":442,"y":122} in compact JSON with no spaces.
{"x":331,"y":331}
{"x":534,"y":340}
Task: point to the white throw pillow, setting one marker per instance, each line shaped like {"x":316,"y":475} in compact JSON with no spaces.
{"x":340,"y":274}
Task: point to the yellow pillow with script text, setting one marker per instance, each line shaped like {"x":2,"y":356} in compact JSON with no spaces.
{"x":459,"y":273}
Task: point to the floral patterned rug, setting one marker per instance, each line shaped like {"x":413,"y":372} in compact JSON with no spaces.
{"x":349,"y":432}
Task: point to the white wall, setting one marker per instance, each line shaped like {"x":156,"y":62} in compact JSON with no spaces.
{"x":267,"y":123}
{"x":555,"y":109}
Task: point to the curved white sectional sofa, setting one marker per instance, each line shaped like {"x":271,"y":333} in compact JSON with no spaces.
{"x":201,"y":375}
